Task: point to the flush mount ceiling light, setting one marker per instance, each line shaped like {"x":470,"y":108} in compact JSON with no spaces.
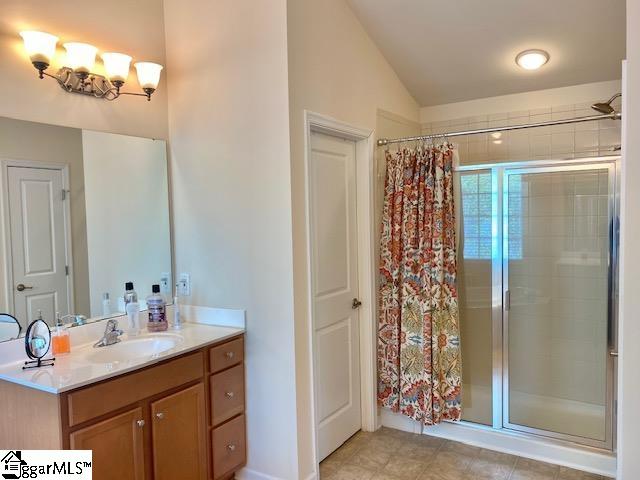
{"x":532,"y":59}
{"x":77,"y":76}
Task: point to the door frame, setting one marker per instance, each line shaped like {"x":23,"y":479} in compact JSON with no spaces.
{"x":365,"y":212}
{"x":5,"y":163}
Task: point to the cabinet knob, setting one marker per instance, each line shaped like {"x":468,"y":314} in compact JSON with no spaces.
{"x":140,"y":423}
{"x":229,"y":355}
{"x":230,"y":394}
{"x":159,"y":415}
{"x":231,"y":447}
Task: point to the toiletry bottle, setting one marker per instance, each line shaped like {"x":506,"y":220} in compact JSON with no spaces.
{"x":133,"y":317}
{"x":60,"y":341}
{"x":130,"y":294}
{"x":157,"y":311}
{"x":177,"y":321}
{"x":106,"y":305}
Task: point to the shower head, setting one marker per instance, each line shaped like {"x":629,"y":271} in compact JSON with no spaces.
{"x":605,"y":107}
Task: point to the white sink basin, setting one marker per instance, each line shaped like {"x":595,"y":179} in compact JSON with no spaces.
{"x":134,"y":348}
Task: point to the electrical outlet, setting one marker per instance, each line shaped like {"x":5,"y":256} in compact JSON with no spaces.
{"x":165,"y":283}
{"x":184,"y":285}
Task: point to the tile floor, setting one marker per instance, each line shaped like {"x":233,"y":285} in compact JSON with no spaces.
{"x":394,"y":455}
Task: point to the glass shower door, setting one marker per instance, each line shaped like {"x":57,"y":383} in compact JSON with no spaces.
{"x":557,"y":252}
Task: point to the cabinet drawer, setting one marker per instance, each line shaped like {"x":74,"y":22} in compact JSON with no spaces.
{"x":229,"y":447}
{"x":226,"y":355}
{"x":227,"y":394}
{"x":96,"y":400}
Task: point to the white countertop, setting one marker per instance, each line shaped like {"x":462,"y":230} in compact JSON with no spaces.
{"x":78,"y":369}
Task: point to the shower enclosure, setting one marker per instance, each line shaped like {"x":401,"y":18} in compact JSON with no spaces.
{"x":537,"y":270}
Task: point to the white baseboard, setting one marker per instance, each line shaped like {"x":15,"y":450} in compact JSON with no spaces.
{"x":248,"y":474}
{"x":549,"y":451}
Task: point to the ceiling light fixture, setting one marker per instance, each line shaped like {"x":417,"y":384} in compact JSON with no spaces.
{"x":532,"y":59}
{"x":76,"y":75}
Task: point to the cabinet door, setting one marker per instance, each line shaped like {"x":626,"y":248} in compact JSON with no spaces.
{"x":179,"y":435}
{"x":117,"y":444}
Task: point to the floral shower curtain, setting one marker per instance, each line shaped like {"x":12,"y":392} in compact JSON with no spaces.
{"x":419,"y":362}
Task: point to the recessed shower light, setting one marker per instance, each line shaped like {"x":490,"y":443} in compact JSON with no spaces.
{"x":532,"y":59}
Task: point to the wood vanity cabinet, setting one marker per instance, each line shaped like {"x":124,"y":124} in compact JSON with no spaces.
{"x":180,"y":419}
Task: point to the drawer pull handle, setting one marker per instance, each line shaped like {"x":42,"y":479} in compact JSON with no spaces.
{"x":231,"y":447}
{"x":229,"y":355}
{"x":140,"y":423}
{"x":159,"y":415}
{"x":230,"y":394}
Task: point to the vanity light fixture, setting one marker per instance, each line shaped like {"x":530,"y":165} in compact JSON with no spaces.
{"x":76,"y":75}
{"x":532,"y":59}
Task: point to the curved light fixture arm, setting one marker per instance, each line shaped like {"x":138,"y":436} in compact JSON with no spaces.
{"x":93,"y":84}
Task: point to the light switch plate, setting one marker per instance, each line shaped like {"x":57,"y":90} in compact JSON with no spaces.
{"x":165,"y":283}
{"x":184,"y":285}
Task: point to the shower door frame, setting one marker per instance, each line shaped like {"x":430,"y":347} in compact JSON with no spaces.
{"x":499,"y":275}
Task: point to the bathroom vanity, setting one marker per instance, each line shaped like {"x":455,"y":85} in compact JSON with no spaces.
{"x":174,"y":414}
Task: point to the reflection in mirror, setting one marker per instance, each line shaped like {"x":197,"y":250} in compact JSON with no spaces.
{"x":9,"y":327}
{"x":83,"y":213}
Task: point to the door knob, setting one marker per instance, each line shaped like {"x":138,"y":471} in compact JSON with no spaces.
{"x":21,"y":287}
{"x":140,"y":423}
{"x":356,"y":303}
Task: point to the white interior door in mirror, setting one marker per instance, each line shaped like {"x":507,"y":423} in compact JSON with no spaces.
{"x":37,"y":225}
{"x":332,"y":183}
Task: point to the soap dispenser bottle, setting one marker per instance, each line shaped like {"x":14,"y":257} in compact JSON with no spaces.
{"x":60,"y":340}
{"x":157,"y":311}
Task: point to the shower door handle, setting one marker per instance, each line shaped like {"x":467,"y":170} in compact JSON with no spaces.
{"x":507,"y":300}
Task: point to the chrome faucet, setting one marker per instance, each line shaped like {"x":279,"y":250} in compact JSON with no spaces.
{"x":77,"y":319}
{"x":111,"y":334}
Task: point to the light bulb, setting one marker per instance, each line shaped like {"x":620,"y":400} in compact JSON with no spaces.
{"x":80,"y":57}
{"x":148,"y":76}
{"x":117,"y":67}
{"x":40,"y":46}
{"x":532,"y":59}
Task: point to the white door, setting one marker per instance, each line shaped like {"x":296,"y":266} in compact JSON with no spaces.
{"x":38,"y":250}
{"x":334,"y":270}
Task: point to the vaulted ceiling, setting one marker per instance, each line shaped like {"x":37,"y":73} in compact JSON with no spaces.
{"x":454,"y":50}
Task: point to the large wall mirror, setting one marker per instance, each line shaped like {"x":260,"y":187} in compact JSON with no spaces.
{"x":82,"y":213}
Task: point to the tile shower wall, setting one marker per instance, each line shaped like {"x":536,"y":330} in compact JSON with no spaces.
{"x":559,"y":141}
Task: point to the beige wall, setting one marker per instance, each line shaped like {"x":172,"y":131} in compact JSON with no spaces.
{"x":535,"y":99}
{"x":629,"y":334}
{"x":20,"y":140}
{"x":335,"y":69}
{"x":229,"y":147}
{"x":135,"y":28}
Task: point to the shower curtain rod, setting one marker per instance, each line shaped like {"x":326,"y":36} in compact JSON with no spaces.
{"x":590,"y":118}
